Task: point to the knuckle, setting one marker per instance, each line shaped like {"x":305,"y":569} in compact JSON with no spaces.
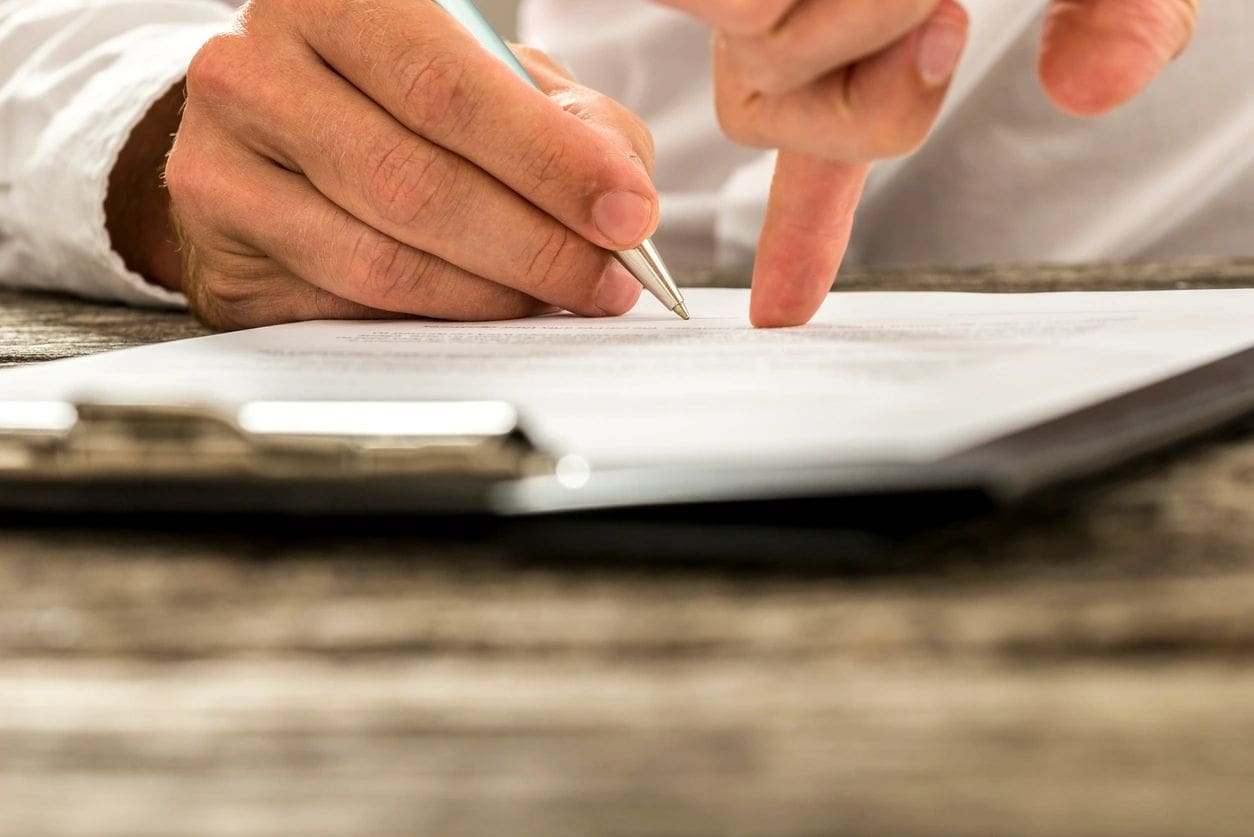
{"x":407,"y":181}
{"x":386,"y":272}
{"x":215,"y":71}
{"x":546,"y":161}
{"x":556,"y":261}
{"x":441,"y":94}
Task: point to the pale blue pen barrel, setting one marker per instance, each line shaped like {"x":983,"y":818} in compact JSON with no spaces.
{"x":468,"y":15}
{"x":645,"y":263}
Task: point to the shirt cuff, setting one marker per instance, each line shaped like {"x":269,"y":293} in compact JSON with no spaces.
{"x":61,"y":192}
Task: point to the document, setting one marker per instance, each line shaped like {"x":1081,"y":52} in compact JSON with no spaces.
{"x":885,"y":377}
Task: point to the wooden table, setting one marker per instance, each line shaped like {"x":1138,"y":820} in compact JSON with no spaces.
{"x":1084,"y":666}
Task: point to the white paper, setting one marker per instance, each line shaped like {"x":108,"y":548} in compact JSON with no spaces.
{"x":876,"y":376}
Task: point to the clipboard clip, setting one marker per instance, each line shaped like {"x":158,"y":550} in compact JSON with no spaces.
{"x":480,"y":440}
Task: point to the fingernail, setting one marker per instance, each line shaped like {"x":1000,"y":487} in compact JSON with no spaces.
{"x":940,"y":49}
{"x":619,"y":291}
{"x":639,"y":162}
{"x":623,"y":218}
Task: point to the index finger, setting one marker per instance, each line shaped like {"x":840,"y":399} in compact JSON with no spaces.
{"x":808,"y":223}
{"x":420,"y":65}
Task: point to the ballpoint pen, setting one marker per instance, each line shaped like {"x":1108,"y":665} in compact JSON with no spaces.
{"x":644,"y":263}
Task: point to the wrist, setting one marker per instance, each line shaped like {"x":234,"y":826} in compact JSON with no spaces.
{"x":137,"y":206}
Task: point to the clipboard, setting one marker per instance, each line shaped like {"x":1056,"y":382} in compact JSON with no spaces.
{"x":477,"y":459}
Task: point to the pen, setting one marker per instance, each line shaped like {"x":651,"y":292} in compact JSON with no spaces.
{"x":644,"y":263}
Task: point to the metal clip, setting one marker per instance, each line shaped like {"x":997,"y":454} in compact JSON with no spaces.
{"x":278,"y":440}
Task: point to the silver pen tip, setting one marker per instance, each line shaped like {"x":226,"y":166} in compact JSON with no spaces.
{"x":682,"y":311}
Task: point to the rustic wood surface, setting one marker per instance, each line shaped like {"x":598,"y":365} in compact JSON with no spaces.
{"x":1081,"y":666}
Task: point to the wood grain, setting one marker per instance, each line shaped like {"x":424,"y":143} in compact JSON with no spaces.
{"x":1083,"y":665}
{"x":38,"y":327}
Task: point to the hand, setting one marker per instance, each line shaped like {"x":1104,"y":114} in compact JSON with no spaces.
{"x":344,"y":159}
{"x":836,"y":84}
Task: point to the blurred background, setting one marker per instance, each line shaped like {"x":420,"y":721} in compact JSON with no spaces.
{"x":503,"y":14}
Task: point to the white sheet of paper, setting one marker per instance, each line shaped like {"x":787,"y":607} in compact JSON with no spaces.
{"x":876,"y":376}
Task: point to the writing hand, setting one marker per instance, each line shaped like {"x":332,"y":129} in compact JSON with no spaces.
{"x":344,"y":159}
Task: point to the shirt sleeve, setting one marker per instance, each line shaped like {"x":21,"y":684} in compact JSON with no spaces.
{"x":76,"y":77}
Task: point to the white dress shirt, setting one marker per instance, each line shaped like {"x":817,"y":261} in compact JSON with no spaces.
{"x":1005,"y":176}
{"x":76,"y":76}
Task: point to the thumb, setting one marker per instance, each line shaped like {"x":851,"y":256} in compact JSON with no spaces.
{"x":1099,"y":54}
{"x":808,"y":223}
